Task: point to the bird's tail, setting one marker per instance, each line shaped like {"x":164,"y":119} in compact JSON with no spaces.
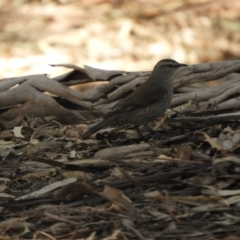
{"x":92,"y":130}
{"x":110,"y":121}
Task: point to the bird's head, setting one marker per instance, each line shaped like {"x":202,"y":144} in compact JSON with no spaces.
{"x":166,"y":66}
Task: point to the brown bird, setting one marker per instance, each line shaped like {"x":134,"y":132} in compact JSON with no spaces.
{"x":147,"y":103}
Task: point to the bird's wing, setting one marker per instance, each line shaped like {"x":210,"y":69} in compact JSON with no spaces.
{"x":141,"y":98}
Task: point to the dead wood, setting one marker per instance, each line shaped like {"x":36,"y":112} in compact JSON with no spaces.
{"x":41,"y":96}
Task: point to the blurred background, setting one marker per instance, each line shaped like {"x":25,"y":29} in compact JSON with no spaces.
{"x":117,"y":34}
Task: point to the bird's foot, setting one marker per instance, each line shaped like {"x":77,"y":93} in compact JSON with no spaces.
{"x":151,"y":130}
{"x":145,"y":137}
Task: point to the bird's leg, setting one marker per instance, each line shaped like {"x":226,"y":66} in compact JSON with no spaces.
{"x":138,"y":130}
{"x":152,"y":130}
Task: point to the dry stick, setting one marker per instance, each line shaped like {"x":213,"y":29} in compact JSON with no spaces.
{"x":40,"y":84}
{"x":230,"y":88}
{"x":233,"y":90}
{"x":219,"y":117}
{"x":120,"y":80}
{"x":99,"y":93}
{"x":96,"y":73}
{"x":31,"y":89}
{"x":126,"y":87}
{"x":219,"y":92}
{"x":230,"y":104}
{"x":8,"y":83}
{"x":113,"y":96}
{"x":191,"y":74}
{"x":205,"y":72}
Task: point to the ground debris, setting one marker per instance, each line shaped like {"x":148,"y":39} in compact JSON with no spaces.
{"x":181,"y":189}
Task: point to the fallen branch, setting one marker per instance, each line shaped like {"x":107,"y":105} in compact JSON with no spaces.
{"x":41,"y":96}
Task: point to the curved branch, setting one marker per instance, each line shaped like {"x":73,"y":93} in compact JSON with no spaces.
{"x":28,"y":94}
{"x":213,"y":95}
{"x":205,"y":72}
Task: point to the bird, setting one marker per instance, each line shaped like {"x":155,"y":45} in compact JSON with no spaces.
{"x":147,"y":103}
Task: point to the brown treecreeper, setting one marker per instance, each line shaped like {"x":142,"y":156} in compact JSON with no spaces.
{"x":147,"y":103}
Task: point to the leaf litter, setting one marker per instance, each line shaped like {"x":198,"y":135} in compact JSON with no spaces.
{"x":182,"y":189}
